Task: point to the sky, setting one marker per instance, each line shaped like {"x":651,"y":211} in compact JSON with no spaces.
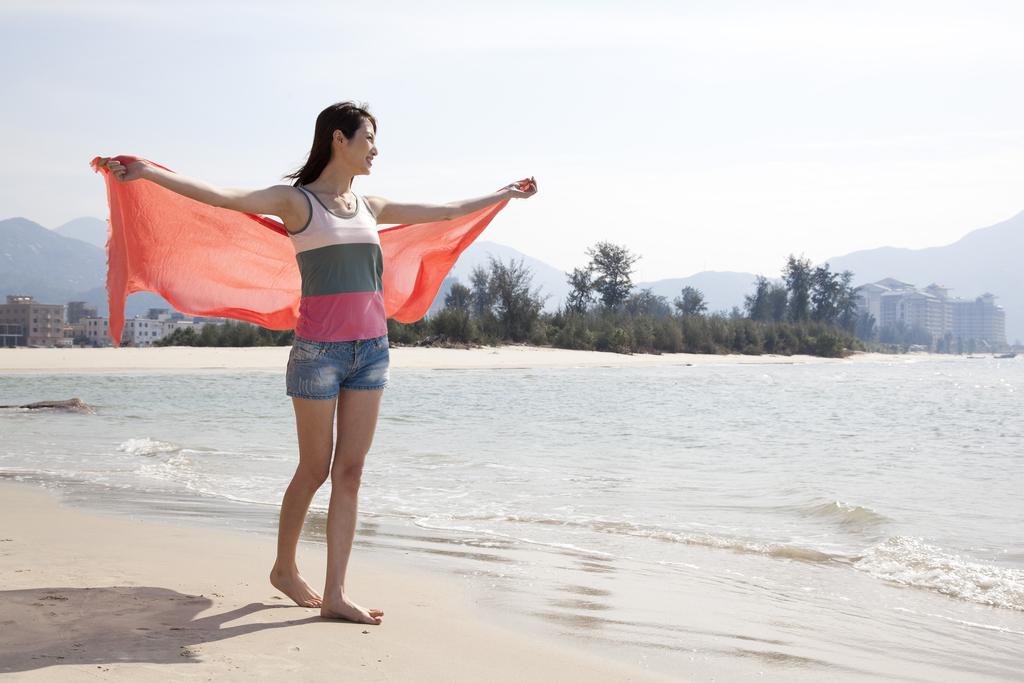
{"x":701,"y":136}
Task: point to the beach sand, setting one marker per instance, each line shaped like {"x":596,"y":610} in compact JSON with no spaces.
{"x":85,"y":597}
{"x":402,"y":358}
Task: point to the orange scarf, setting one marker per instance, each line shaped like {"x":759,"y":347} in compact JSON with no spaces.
{"x":220,"y":263}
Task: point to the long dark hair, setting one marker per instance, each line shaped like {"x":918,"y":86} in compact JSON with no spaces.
{"x":343,"y":116}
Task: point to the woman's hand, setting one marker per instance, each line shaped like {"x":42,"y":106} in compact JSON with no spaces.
{"x":389,"y":212}
{"x":283,"y":201}
{"x":123,"y":173}
{"x":522,"y":189}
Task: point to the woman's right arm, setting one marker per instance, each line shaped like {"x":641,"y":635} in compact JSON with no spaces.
{"x":283,"y":201}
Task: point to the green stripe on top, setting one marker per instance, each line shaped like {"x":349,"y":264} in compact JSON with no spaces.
{"x":341,"y":269}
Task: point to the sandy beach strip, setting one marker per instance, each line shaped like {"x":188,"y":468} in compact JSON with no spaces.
{"x":86,"y":597}
{"x":402,"y":358}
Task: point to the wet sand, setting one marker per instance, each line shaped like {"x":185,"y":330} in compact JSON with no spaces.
{"x":86,"y":597}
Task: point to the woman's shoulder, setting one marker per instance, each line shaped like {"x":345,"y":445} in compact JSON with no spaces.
{"x":374,"y":204}
{"x":301,"y":209}
{"x":287,"y":192}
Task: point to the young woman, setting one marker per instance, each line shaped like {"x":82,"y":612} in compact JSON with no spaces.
{"x":338,"y":366}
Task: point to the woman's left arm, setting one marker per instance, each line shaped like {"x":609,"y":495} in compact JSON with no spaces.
{"x":389,"y":212}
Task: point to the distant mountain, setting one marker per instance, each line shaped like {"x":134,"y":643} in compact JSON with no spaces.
{"x":90,"y":230}
{"x":56,"y":269}
{"x":985,"y":260}
{"x":721,"y":290}
{"x":40,"y":263}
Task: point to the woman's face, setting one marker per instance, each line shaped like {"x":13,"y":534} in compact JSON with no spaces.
{"x":359,"y":151}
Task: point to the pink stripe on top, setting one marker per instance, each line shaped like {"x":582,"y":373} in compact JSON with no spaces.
{"x":342,"y":317}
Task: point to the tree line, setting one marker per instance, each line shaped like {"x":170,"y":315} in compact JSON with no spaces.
{"x":811,"y":311}
{"x":229,"y":333}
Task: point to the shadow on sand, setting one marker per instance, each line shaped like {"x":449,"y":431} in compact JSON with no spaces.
{"x":44,"y":627}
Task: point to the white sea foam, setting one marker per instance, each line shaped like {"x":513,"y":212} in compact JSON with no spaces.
{"x":910,"y":562}
{"x":147,"y":446}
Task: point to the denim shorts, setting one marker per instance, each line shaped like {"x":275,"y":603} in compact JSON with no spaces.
{"x":320,"y":370}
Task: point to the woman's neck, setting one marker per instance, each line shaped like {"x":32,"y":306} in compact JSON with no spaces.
{"x":334,"y":180}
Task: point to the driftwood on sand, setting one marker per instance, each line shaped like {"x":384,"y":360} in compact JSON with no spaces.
{"x":71,"y":405}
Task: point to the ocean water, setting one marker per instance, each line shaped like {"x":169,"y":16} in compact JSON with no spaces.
{"x":839,"y":520}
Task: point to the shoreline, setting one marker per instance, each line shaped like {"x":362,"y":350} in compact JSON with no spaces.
{"x":402,"y":358}
{"x":108,"y":597}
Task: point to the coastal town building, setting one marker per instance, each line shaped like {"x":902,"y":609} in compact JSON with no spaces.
{"x":79,"y":309}
{"x":141,"y":332}
{"x":979,"y":319}
{"x":41,"y":324}
{"x":27,"y":322}
{"x":136,"y":332}
{"x":73,"y":331}
{"x":97,"y":331}
{"x":892,"y":301}
{"x":11,"y":335}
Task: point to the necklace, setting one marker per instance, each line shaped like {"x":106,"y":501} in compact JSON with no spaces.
{"x":349,"y":204}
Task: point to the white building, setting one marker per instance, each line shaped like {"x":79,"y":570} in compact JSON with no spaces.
{"x":891,"y":301}
{"x":870,"y":300}
{"x":136,"y":332}
{"x":979,"y":319}
{"x":141,"y":332}
{"x":97,"y":331}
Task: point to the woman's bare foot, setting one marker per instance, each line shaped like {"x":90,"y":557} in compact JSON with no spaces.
{"x":295,"y":587}
{"x":343,"y":608}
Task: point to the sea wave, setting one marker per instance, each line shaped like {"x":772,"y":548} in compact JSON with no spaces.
{"x":148,"y":446}
{"x":846,"y":515}
{"x":472,"y":524}
{"x":910,"y":562}
{"x":780,"y":550}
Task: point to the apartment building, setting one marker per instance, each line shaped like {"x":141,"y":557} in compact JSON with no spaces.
{"x":73,"y":331}
{"x":932,"y":309}
{"x":871,"y":299}
{"x":979,"y":319}
{"x":171,"y":325}
{"x":97,"y":331}
{"x":79,"y":309}
{"x":41,"y":324}
{"x":141,"y":332}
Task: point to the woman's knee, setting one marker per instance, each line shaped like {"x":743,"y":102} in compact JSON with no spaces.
{"x":347,"y":478}
{"x":312,"y":476}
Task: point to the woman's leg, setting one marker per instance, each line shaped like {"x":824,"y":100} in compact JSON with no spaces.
{"x":357,"y":421}
{"x":314,"y":421}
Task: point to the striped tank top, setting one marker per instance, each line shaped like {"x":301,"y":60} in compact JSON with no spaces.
{"x":342,"y":270}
